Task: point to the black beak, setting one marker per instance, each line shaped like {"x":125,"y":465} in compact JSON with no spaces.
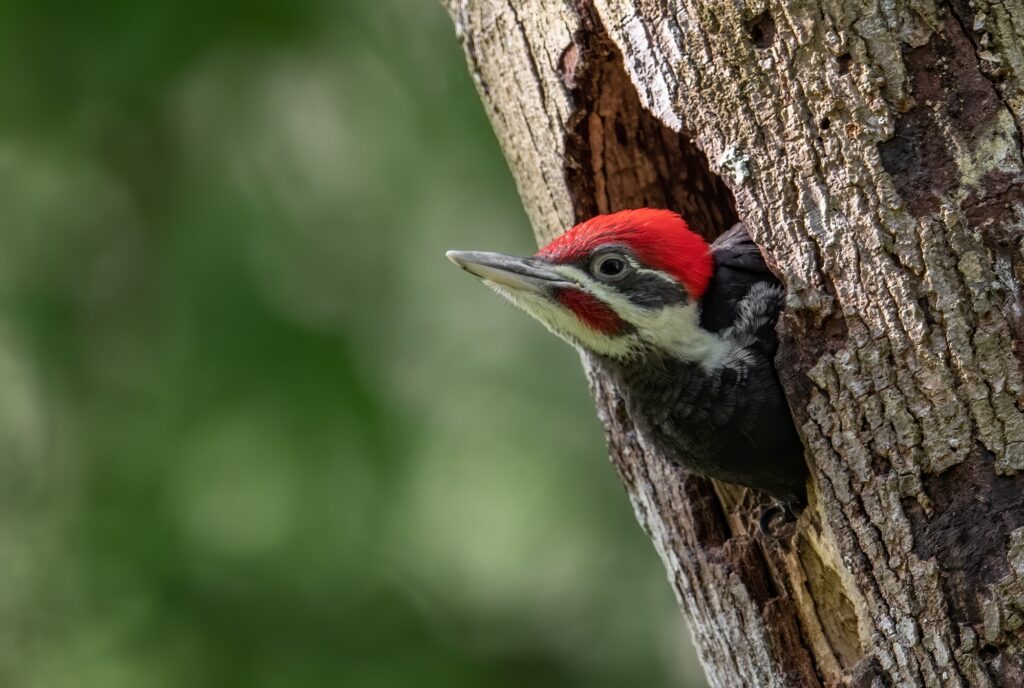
{"x":524,"y":274}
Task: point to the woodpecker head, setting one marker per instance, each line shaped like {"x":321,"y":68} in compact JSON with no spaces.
{"x":621,"y":285}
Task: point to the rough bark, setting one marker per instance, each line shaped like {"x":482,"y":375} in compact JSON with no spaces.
{"x":874,"y":150}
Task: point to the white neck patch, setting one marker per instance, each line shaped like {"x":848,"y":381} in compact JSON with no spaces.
{"x":677,"y":330}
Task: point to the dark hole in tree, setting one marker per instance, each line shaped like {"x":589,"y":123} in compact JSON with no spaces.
{"x":824,"y":123}
{"x":988,"y":652}
{"x":762,"y":31}
{"x":620,"y":133}
{"x":843,"y":62}
{"x":926,"y":309}
{"x":640,"y":161}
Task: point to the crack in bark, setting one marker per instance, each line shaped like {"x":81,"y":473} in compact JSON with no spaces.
{"x":961,"y":13}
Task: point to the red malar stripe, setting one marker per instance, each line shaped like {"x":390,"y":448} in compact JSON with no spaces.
{"x":597,"y":316}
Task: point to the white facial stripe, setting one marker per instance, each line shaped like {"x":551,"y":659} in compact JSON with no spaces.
{"x":648,"y":271}
{"x":660,"y":275}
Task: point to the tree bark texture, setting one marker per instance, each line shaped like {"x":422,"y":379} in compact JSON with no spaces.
{"x":873,"y":147}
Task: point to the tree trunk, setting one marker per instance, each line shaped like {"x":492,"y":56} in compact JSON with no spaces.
{"x":874,"y":151}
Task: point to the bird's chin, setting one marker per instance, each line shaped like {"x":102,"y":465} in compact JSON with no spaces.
{"x":530,"y":303}
{"x":564,"y":324}
{"x":517,"y":298}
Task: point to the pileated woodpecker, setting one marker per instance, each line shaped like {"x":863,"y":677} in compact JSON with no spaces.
{"x":687,"y":331}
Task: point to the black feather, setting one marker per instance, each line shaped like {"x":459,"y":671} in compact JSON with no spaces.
{"x":731,"y":422}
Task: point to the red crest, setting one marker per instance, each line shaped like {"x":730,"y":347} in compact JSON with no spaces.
{"x":659,"y":238}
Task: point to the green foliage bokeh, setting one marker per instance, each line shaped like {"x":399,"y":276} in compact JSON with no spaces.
{"x":254,"y":429}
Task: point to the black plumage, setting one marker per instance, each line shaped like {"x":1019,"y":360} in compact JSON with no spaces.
{"x":698,"y":378}
{"x":731,"y":421}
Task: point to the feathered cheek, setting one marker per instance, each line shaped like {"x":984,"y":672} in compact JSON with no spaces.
{"x":593,"y":312}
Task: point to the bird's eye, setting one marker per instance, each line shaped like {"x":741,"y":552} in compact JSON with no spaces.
{"x":609,"y":266}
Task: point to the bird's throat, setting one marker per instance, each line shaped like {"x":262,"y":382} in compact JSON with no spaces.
{"x":676,"y":332}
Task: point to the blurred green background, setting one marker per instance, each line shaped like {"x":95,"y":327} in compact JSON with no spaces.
{"x":254,"y":429}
